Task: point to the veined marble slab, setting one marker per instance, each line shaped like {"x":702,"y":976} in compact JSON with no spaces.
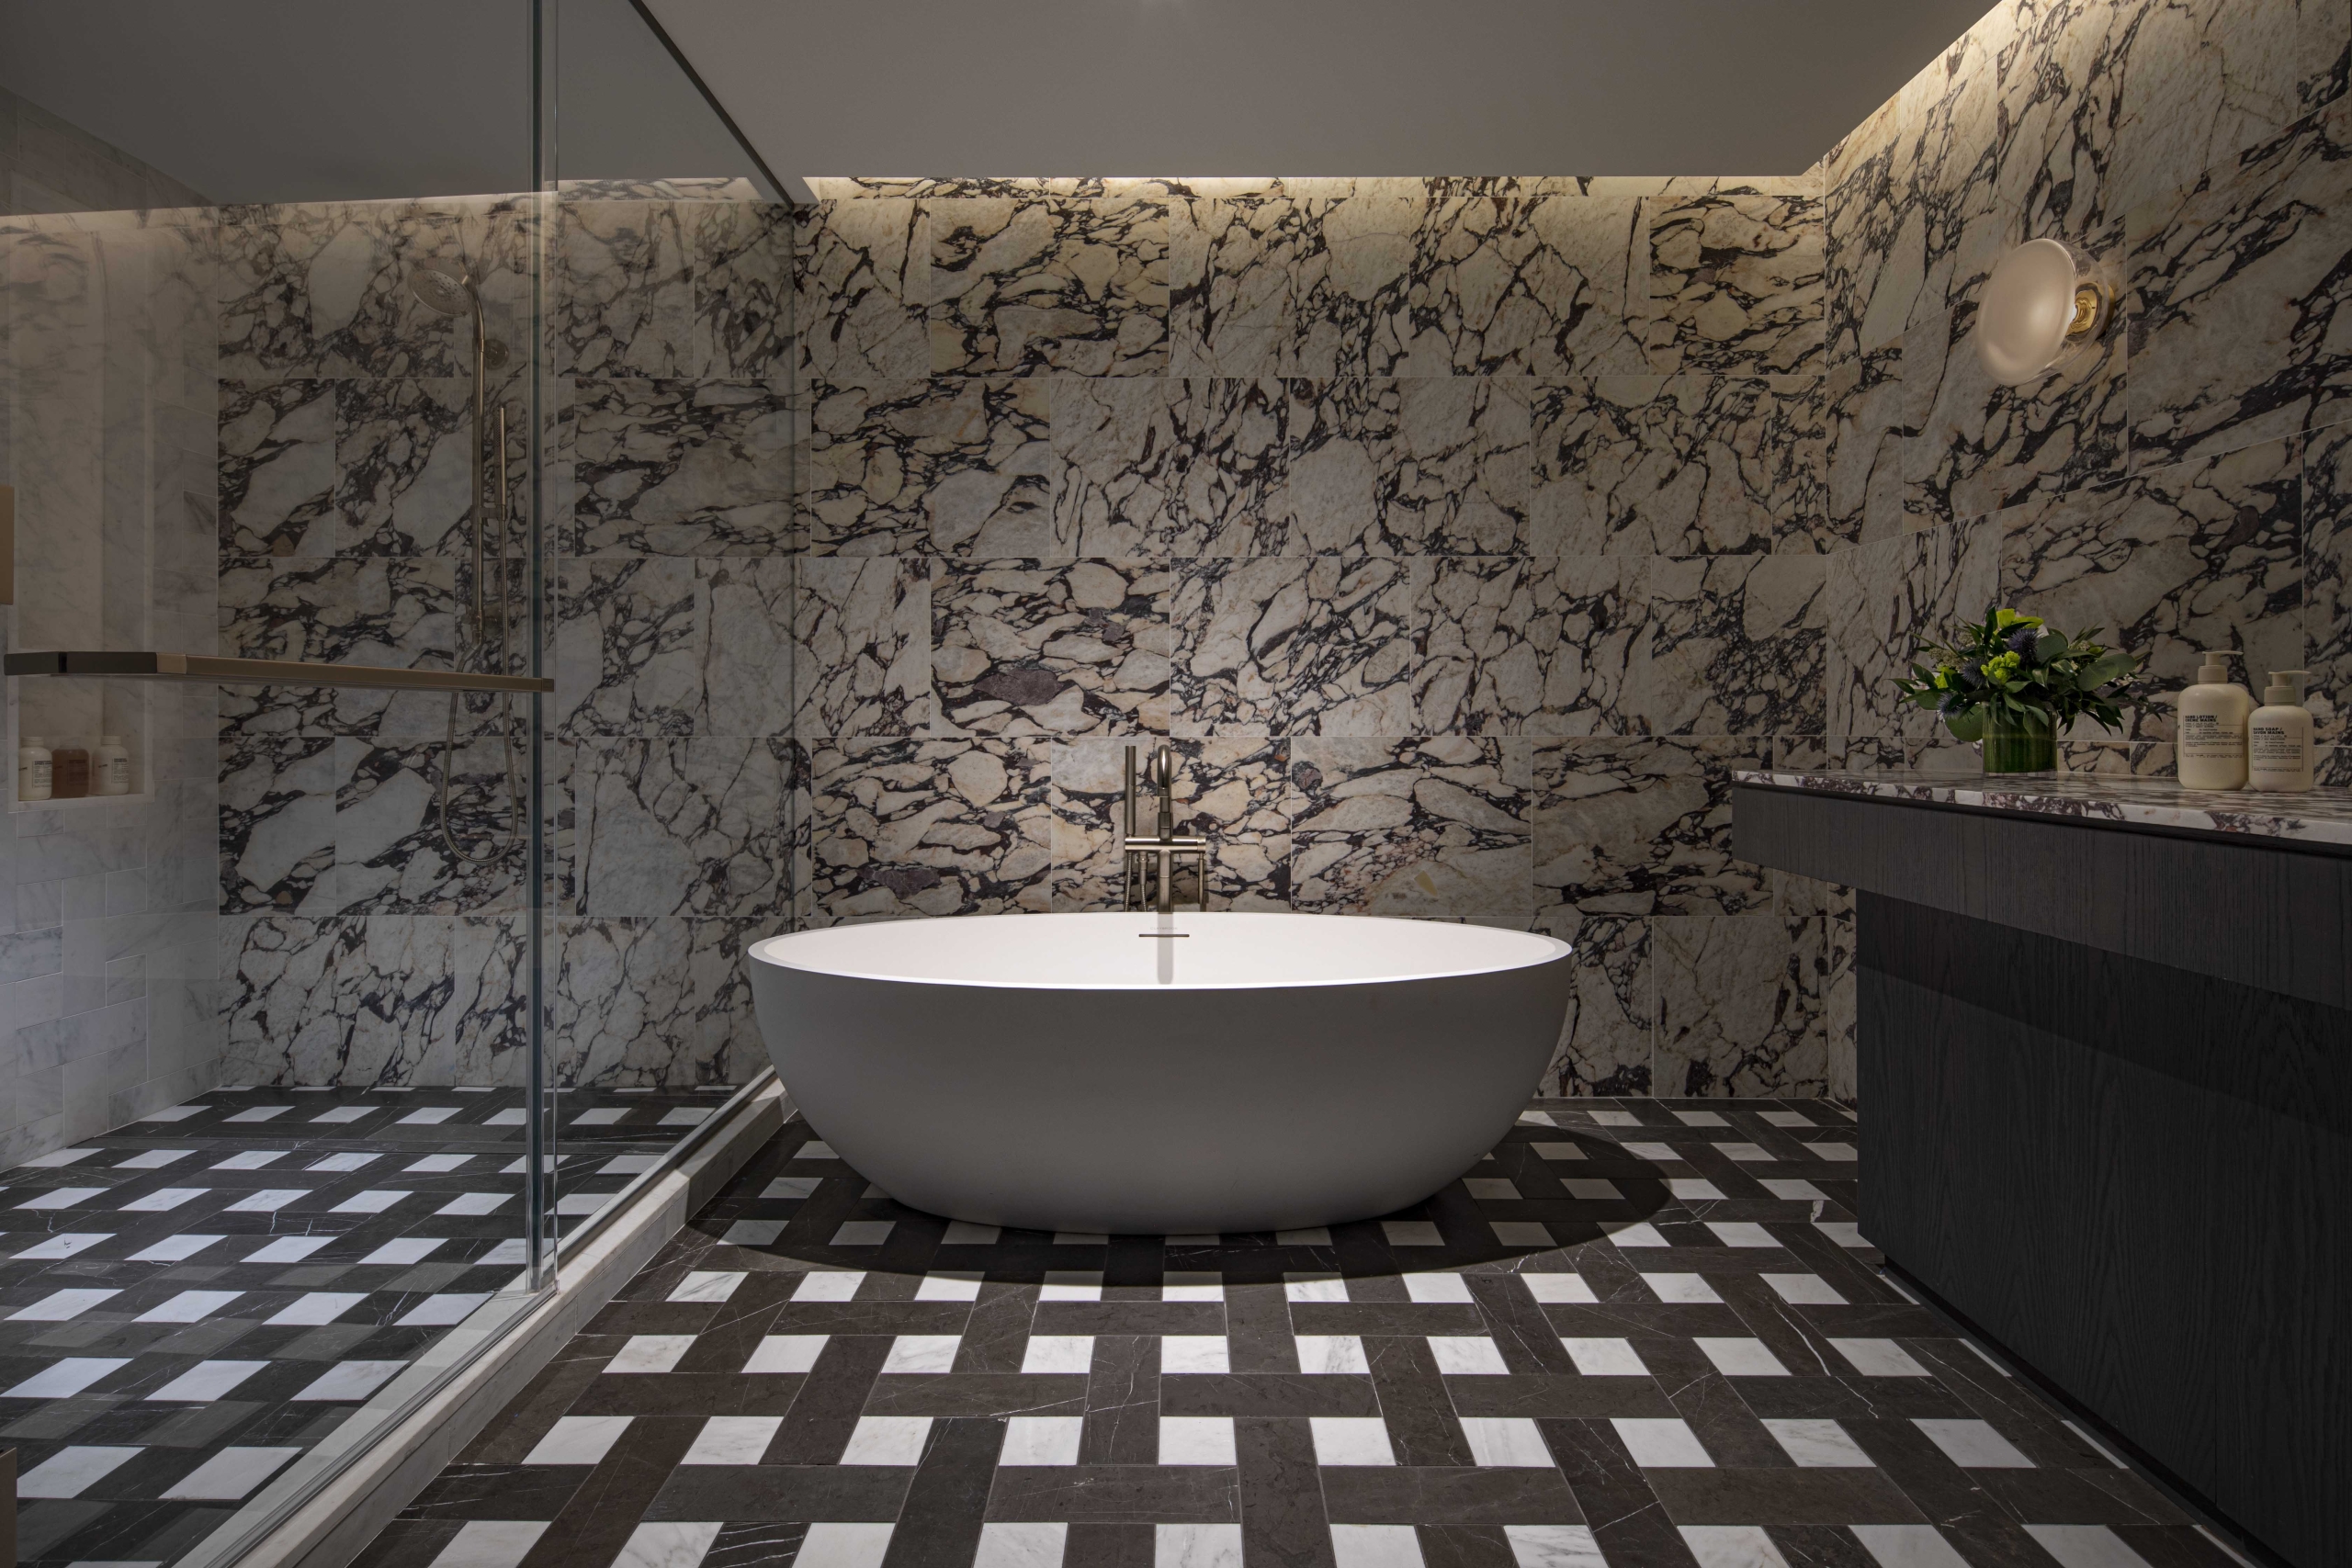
{"x":2323,"y":817}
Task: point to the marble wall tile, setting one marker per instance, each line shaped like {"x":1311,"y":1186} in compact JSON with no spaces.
{"x":1035,"y":283}
{"x":1119,"y":469}
{"x":1839,"y":1077}
{"x":1607,"y":1036}
{"x":1382,"y":466}
{"x":1588,"y":627}
{"x":392,"y":854}
{"x":1892,"y":596}
{"x":1403,"y":285}
{"x":322,"y":288}
{"x":1427,"y":827}
{"x":928,"y":826}
{"x":398,"y":611}
{"x":2192,"y":556}
{"x":1869,"y":415}
{"x":2327,"y":577}
{"x":2206,"y":79}
{"x":1236,"y":794}
{"x":862,"y":283}
{"x":699,"y":825}
{"x":655,"y":1002}
{"x":2238,"y":287}
{"x":382,"y":999}
{"x":404,"y":465}
{"x":675,"y":467}
{"x":743,"y":295}
{"x":860,"y":655}
{"x":277,"y":823}
{"x":666,"y":646}
{"x":623,"y":300}
{"x":1642,"y":827}
{"x":1737,"y":645}
{"x":1680,"y":465}
{"x":278,"y":477}
{"x":1298,"y":644}
{"x":1735,"y":279}
{"x":1025,"y":648}
{"x":1740,"y":1005}
{"x":956,"y":466}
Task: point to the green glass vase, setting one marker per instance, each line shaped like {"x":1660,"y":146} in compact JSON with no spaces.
{"x":2013,"y":748}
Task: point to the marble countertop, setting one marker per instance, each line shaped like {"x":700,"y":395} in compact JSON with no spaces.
{"x":2324,"y":816}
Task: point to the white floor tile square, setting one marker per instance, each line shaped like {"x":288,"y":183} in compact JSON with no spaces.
{"x":1021,"y":1545}
{"x":351,"y":1379}
{"x":1592,"y":1189}
{"x":1314,"y":1288}
{"x":1642,"y":1235}
{"x":667,"y":1544}
{"x":490,"y":1543}
{"x":1554,"y":1546}
{"x":70,"y":1471}
{"x":63,"y":1380}
{"x":1689,"y":1288}
{"x":864,"y":1233}
{"x":207,"y":1381}
{"x":1331,"y":1354}
{"x":1909,"y":1546}
{"x":791,"y":1188}
{"x":1041,"y":1439}
{"x":1818,"y":1444}
{"x":786,"y":1353}
{"x":1558,"y":1150}
{"x":830,"y":1285}
{"x":1732,"y":1546}
{"x":1559,"y":1288}
{"x":1066,"y":1285}
{"x":1740,"y":1232}
{"x":1196,"y":1439}
{"x":1376,"y":1546}
{"x":1879,"y":1358}
{"x":2084,"y":1545}
{"x":1506,"y":1442}
{"x":1973,"y":1444}
{"x":1352,"y":1441}
{"x":1178,"y":1286}
{"x":1693,"y":1189}
{"x":1794,"y":1189}
{"x":1193,"y":1353}
{"x":733,"y":1439}
{"x":1661,"y":1444}
{"x":66,"y":1243}
{"x":916,"y":1353}
{"x":288,"y":1249}
{"x":650,"y":1353}
{"x":1068,"y":1353}
{"x":1605,"y":1358}
{"x":951,"y":1285}
{"x":834,"y":1545}
{"x":188,"y":1306}
{"x":441,"y":1310}
{"x":62,"y":1306}
{"x":888,"y":1439}
{"x":1737,"y":1358}
{"x":1804,"y":1289}
{"x":707,"y":1285}
{"x":1411,"y":1233}
{"x":578,"y":1439}
{"x":229,"y":1475}
{"x":1521,"y":1232}
{"x":1467,"y":1355}
{"x":1437,"y":1288}
{"x":1194,"y":1546}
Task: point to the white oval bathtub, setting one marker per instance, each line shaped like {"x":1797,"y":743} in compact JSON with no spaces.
{"x":1086,"y":1073}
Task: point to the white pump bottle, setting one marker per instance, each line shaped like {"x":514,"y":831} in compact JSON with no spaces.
{"x":2209,"y":749}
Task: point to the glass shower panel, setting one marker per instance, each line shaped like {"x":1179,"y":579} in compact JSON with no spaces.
{"x":270,"y":286}
{"x":671,"y":517}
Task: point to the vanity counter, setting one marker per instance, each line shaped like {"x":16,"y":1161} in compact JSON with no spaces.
{"x":2103,"y":1044}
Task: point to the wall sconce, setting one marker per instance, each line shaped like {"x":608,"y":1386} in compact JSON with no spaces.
{"x":2036,"y":308}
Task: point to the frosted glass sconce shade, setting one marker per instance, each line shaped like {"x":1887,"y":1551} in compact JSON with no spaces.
{"x":2036,"y":307}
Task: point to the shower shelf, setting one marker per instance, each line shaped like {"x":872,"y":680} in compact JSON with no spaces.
{"x":204,"y":667}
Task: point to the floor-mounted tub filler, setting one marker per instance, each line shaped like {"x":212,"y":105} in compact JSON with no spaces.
{"x":1148,"y":1074}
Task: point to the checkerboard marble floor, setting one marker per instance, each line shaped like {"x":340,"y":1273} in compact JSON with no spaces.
{"x":1638,"y":1333}
{"x":191,"y":1301}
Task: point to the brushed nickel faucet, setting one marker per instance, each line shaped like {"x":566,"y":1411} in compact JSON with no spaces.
{"x":1151,"y":864}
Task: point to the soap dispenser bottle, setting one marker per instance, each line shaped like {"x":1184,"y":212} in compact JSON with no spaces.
{"x":2279,"y":736}
{"x":2209,"y":750}
{"x":33,"y":764}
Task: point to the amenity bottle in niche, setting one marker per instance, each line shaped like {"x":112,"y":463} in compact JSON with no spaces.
{"x":33,"y":764}
{"x":110,"y":767}
{"x":2210,"y":745}
{"x":2279,"y":736}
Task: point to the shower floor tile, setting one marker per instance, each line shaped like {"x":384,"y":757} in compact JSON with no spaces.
{"x":1640,"y":1332}
{"x":190,"y":1301}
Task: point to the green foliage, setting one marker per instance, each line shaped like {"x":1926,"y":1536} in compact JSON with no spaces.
{"x":2009,"y":670}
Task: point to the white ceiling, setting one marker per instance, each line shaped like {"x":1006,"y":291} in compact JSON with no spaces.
{"x":1305,"y":87}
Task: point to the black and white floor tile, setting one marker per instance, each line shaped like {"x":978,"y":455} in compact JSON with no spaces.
{"x":190,"y":1301}
{"x":1639,"y":1333}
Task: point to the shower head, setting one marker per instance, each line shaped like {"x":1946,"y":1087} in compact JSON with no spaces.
{"x":443,"y":286}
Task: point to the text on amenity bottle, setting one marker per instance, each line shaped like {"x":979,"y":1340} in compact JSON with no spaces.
{"x":32,"y":769}
{"x":2278,"y":737}
{"x":110,"y":767}
{"x":2210,"y":748}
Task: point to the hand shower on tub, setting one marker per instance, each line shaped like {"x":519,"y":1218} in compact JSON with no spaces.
{"x":447,"y":287}
{"x":1151,"y":864}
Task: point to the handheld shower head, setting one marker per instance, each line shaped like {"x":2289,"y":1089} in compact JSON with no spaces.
{"x":443,"y":286}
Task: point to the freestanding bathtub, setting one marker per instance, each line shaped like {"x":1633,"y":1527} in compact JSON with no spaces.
{"x":1161,"y":1075}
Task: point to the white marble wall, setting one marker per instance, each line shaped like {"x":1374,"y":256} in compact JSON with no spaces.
{"x":356,"y":947}
{"x":1461,"y":536}
{"x":109,"y":1001}
{"x":2182,"y":486}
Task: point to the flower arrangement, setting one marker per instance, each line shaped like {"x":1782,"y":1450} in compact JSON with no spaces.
{"x":2015,"y":686}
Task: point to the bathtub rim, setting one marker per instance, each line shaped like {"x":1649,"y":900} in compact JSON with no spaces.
{"x":1552,"y":950}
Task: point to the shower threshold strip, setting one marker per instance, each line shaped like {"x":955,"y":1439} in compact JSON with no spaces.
{"x":204,"y":667}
